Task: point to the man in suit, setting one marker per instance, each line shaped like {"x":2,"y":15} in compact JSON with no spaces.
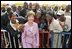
{"x":4,"y":19}
{"x":11,"y":28}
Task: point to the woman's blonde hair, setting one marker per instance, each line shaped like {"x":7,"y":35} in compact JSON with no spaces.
{"x":30,"y":13}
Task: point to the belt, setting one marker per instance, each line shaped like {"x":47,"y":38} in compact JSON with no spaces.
{"x":67,"y":31}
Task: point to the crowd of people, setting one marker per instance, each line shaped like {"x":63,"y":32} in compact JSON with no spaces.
{"x":35,"y":26}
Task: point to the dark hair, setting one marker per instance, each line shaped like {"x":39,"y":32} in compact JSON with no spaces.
{"x":37,"y":6}
{"x":8,"y":10}
{"x":14,"y":8}
{"x":68,"y":7}
{"x":7,"y":4}
{"x":3,"y":9}
{"x":56,"y":8}
{"x":25,"y":5}
{"x":10,"y":15}
{"x":51,"y":13}
{"x":63,"y":9}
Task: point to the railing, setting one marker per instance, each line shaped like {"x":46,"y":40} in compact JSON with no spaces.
{"x":7,"y":40}
{"x":4,"y":38}
{"x":57,"y":40}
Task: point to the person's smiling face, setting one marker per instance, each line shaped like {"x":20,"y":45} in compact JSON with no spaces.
{"x":31,"y":18}
{"x":13,"y":18}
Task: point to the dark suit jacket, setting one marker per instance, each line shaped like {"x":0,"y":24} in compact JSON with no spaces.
{"x":12,"y":32}
{"x":4,"y":21}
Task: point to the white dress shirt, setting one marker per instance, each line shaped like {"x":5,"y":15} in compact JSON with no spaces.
{"x":12,"y":26}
